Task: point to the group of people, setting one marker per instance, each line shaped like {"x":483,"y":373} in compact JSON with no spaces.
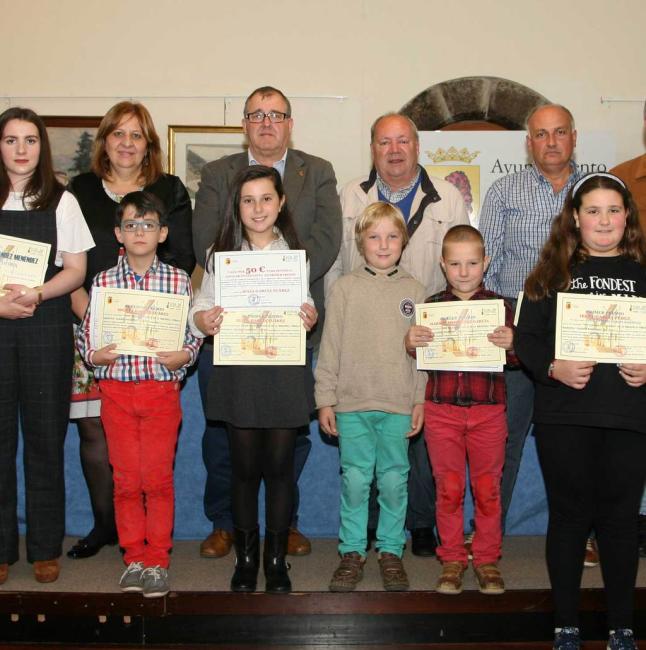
{"x":392,"y":239}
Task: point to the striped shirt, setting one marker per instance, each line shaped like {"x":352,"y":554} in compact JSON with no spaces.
{"x":159,"y":277}
{"x":515,"y":222}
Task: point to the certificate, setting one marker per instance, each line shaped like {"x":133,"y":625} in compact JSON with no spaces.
{"x":141,"y":323}
{"x":460,"y":331}
{"x":605,"y":329}
{"x":22,"y":261}
{"x":261,"y":293}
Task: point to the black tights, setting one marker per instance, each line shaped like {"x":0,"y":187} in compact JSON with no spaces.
{"x":98,"y":476}
{"x":594,"y":477}
{"x":262,"y":454}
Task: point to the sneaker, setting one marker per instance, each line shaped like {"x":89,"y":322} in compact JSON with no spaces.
{"x":393,"y":574}
{"x":621,"y":639}
{"x":468,"y":544}
{"x":591,"y":553}
{"x":131,"y":577}
{"x":450,"y":581}
{"x":349,"y":572}
{"x":154,"y":580}
{"x":489,"y":579}
{"x":567,"y":638}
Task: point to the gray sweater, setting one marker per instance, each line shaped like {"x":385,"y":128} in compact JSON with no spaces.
{"x":362,"y":364}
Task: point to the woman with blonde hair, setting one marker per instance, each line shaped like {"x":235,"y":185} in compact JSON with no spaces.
{"x":126,"y":157}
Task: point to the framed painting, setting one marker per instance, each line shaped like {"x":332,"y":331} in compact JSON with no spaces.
{"x":191,"y":147}
{"x":71,"y":138}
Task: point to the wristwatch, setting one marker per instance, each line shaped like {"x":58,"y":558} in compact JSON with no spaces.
{"x":550,"y":370}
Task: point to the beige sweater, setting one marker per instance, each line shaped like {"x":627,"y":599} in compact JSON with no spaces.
{"x":362,"y":364}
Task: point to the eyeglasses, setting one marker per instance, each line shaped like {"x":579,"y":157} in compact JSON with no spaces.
{"x":145,"y":226}
{"x":259,"y":116}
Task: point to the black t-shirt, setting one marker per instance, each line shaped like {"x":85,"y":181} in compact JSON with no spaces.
{"x":606,"y":401}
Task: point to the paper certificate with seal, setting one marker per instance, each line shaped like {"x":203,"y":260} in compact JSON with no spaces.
{"x":22,"y":261}
{"x":605,"y":329}
{"x":141,"y":323}
{"x":460,"y":331}
{"x":261,"y":293}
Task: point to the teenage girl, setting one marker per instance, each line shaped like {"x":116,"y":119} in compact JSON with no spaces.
{"x":36,"y":345}
{"x":590,"y":418}
{"x":263,"y":406}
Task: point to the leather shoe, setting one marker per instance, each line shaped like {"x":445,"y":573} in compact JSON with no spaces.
{"x":86,"y":548}
{"x":4,"y":573}
{"x":46,"y":570}
{"x":423,"y":542}
{"x":217,"y":544}
{"x":297,"y":543}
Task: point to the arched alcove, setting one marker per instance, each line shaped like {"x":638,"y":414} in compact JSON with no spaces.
{"x":473,"y":101}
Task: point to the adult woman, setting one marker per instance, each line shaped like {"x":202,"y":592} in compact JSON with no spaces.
{"x":36,"y":348}
{"x":590,"y":418}
{"x":126,"y":158}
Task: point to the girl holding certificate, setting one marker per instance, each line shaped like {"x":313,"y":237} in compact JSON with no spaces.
{"x":590,"y":418}
{"x":263,"y":406}
{"x":36,"y":347}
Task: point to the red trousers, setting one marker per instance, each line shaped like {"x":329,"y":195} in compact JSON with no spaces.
{"x":455,"y":434}
{"x":141,"y":421}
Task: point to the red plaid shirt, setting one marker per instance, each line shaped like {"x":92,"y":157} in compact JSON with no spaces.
{"x":469,"y":388}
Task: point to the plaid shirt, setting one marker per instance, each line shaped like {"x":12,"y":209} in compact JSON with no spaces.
{"x":469,"y":388}
{"x":159,"y":277}
{"x":515,"y":221}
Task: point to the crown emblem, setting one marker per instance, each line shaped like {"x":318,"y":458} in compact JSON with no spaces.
{"x":444,"y":155}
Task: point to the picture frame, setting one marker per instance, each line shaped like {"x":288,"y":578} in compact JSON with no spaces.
{"x":71,"y":138}
{"x":191,"y":147}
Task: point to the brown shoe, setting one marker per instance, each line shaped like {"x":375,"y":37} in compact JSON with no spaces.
{"x":489,"y":579}
{"x":393,"y":574}
{"x":349,"y":572}
{"x":591,"y":553}
{"x":217,"y":544}
{"x":450,"y":581}
{"x":4,"y":573}
{"x":46,"y":570}
{"x":297,"y":543}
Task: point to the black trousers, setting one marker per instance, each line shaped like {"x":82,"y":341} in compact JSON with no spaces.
{"x":36,"y":357}
{"x":594,"y":478}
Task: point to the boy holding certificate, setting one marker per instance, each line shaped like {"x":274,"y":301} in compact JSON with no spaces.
{"x":370,"y":394}
{"x":140,"y":395}
{"x":465,"y":420}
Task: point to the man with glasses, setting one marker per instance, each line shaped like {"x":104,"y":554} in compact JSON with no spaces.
{"x":310,"y":187}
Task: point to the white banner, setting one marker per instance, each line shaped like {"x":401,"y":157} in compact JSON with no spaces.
{"x":473,"y":160}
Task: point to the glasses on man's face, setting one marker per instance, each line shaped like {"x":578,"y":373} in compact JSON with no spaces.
{"x":259,"y":116}
{"x":144,"y":226}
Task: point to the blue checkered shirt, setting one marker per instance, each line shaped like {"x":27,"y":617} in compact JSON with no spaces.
{"x":159,"y":277}
{"x":515,"y":222}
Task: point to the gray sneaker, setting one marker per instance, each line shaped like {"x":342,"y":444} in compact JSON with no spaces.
{"x":131,"y":578}
{"x":155,"y":582}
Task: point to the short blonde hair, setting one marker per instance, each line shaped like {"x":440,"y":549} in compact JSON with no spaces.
{"x":375,"y":212}
{"x":462,"y":233}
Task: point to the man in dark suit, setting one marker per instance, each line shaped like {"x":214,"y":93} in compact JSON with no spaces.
{"x":310,"y":187}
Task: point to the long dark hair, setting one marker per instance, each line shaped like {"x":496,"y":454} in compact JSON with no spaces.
{"x":43,"y":188}
{"x":564,"y":249}
{"x":231,"y":233}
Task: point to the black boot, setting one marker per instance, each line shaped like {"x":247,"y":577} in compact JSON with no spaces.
{"x":247,"y":546}
{"x":276,"y":579}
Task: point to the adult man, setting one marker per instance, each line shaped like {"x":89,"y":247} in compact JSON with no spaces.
{"x":430,"y":207}
{"x":515,"y":221}
{"x":310,"y":187}
{"x":633,"y":173}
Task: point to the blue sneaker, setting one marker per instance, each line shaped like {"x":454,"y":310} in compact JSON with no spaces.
{"x":621,"y":639}
{"x":567,"y":638}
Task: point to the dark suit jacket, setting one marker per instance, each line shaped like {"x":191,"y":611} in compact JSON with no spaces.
{"x":310,"y":187}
